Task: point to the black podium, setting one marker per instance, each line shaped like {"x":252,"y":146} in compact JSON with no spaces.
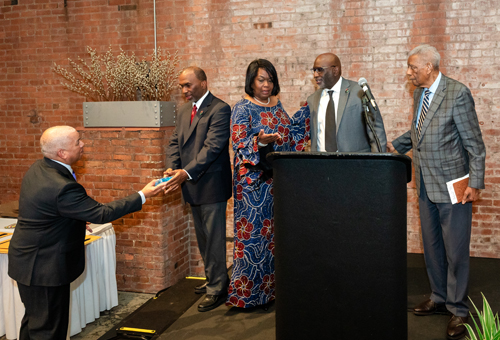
{"x":340,"y":236}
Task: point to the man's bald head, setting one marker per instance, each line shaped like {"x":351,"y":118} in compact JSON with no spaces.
{"x":327,"y":70}
{"x":328,"y":58}
{"x":62,"y":143}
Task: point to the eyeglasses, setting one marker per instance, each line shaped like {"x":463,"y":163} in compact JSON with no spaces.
{"x":320,"y":70}
{"x":415,"y":68}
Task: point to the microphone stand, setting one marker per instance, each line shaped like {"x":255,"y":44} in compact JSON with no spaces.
{"x":369,"y":117}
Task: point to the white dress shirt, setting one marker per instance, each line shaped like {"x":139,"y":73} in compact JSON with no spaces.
{"x":200,"y":101}
{"x":323,"y":103}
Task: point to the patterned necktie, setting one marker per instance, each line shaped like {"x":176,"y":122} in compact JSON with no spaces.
{"x":423,"y":113}
{"x":193,"y":112}
{"x":330,"y":126}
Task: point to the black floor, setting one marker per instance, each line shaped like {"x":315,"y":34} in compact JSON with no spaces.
{"x":157,"y":314}
{"x":484,"y":278}
{"x":183,"y":322}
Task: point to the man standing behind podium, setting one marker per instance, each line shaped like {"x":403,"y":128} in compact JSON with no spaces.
{"x":337,"y":118}
{"x":447,"y":145}
{"x":47,"y":252}
{"x":198,"y":158}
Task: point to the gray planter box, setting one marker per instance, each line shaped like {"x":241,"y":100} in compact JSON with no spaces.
{"x":129,"y":114}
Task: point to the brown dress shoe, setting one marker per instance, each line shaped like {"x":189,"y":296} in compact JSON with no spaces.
{"x":429,"y":307}
{"x":456,"y":329}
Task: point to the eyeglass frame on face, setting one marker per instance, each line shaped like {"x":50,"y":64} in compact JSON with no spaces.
{"x":415,"y":68}
{"x":320,"y":70}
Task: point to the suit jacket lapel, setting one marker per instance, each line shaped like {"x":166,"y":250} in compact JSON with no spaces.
{"x":204,"y":108}
{"x":314,"y":106}
{"x":343,"y":98}
{"x":436,"y":102}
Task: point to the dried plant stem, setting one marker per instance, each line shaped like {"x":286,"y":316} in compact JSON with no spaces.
{"x":122,"y":78}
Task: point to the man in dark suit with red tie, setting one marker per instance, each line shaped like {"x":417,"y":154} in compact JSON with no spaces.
{"x":47,"y":252}
{"x":198,"y":160}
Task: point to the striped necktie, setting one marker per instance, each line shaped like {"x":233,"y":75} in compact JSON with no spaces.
{"x":423,"y":113}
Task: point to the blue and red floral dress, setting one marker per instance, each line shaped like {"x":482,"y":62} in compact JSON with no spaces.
{"x":252,"y":279}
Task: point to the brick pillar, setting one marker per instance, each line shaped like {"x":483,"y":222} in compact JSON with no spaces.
{"x":152,"y":245}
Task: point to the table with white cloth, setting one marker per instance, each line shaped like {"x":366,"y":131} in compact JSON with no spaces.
{"x":91,"y":293}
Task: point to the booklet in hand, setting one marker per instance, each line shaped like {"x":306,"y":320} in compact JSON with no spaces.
{"x":456,"y":188}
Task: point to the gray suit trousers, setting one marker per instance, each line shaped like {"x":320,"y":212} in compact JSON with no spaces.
{"x":210,"y":227}
{"x":446,"y":232}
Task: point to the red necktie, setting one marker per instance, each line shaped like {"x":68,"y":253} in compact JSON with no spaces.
{"x":193,"y":112}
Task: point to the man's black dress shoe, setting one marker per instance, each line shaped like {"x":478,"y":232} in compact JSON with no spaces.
{"x":429,"y":307}
{"x":201,"y":289}
{"x":456,"y":329}
{"x":211,"y":301}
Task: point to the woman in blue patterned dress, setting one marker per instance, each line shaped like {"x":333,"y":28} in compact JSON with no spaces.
{"x":258,"y":121}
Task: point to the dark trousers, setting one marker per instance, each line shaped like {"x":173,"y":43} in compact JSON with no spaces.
{"x":210,"y":227}
{"x":446,"y":230}
{"x":47,"y":312}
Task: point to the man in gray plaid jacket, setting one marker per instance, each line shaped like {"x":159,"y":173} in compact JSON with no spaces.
{"x":447,"y":144}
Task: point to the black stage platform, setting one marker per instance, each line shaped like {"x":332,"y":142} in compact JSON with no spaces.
{"x":230,"y":323}
{"x":484,"y":278}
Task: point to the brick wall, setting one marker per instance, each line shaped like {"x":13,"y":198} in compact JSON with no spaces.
{"x":372,"y":38}
{"x":152,"y":246}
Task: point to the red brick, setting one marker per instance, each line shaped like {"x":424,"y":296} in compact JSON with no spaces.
{"x":118,"y":161}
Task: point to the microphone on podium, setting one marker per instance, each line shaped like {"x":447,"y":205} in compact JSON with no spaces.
{"x":363,"y":83}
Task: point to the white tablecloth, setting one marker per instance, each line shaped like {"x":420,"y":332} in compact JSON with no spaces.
{"x":93,"y":292}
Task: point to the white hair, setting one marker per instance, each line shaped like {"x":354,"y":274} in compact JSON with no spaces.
{"x":430,"y":52}
{"x":55,"y":138}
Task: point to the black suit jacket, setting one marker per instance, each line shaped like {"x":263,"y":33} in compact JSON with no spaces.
{"x":202,"y":149}
{"x":47,"y":248}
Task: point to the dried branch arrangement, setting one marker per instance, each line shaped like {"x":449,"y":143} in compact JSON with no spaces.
{"x":122,"y":78}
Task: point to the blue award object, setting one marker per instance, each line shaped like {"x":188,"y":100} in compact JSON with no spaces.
{"x":164,"y":179}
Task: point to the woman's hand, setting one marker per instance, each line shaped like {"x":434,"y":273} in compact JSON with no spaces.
{"x":265,"y":138}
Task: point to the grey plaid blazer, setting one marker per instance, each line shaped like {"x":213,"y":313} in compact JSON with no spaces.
{"x":450,"y":145}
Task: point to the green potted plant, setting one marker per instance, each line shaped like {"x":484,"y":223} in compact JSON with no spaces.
{"x":122,"y":91}
{"x":490,"y":326}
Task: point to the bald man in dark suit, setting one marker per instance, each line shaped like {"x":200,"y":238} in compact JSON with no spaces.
{"x":47,"y":252}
